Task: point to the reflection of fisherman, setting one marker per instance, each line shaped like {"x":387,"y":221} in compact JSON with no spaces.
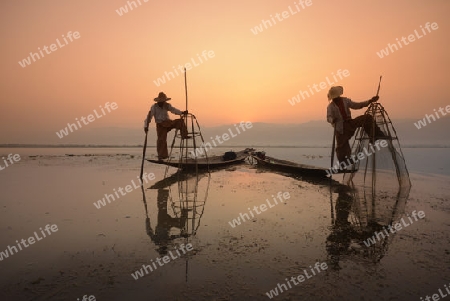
{"x":339,"y":115}
{"x":340,"y":238}
{"x":161,"y":237}
{"x":344,"y":232}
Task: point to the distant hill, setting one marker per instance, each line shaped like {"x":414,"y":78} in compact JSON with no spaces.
{"x":310,"y":134}
{"x":320,"y":133}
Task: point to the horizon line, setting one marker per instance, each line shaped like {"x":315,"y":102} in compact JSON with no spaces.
{"x":28,"y":145}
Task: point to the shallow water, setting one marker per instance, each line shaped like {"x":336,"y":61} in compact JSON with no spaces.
{"x":95,"y":251}
{"x":418,"y":160}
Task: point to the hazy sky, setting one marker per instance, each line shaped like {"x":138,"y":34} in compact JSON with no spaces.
{"x":246,"y":77}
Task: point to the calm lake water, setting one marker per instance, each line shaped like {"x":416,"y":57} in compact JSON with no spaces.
{"x":96,"y":251}
{"x":418,"y":160}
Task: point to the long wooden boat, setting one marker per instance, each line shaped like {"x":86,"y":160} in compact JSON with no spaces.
{"x":203,"y":163}
{"x":288,"y":166}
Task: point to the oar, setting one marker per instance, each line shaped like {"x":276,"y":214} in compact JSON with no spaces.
{"x":143,"y":154}
{"x":331,"y":176}
{"x":379,"y":84}
{"x":332,"y":149}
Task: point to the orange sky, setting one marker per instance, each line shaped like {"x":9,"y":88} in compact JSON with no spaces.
{"x":251,"y":77}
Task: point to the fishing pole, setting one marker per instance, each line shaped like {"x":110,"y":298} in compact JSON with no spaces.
{"x":185,"y":87}
{"x":379,"y":84}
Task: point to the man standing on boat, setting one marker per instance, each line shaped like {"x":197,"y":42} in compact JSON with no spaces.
{"x":164,"y":124}
{"x":339,"y":115}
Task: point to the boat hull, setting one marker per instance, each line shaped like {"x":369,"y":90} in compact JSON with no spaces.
{"x":203,"y":163}
{"x":290,"y":167}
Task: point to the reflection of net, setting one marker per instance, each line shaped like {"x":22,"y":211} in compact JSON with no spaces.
{"x":379,"y":184}
{"x":381,"y":209}
{"x":382,"y":166}
{"x":359,"y":216}
{"x":374,"y":214}
{"x":189,"y":206}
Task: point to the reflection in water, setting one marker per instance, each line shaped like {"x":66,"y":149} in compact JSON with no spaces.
{"x":161,"y":236}
{"x":180,"y":206}
{"x":359,"y":214}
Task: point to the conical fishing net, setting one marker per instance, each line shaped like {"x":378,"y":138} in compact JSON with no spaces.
{"x":380,"y":164}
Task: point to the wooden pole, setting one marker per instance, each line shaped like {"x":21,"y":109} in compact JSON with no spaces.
{"x":332,"y":149}
{"x":185,"y":121}
{"x":379,"y":84}
{"x":185,"y":88}
{"x":143,"y":155}
{"x":374,"y":161}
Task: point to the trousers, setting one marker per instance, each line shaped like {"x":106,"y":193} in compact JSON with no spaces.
{"x":162,"y":129}
{"x":343,"y":149}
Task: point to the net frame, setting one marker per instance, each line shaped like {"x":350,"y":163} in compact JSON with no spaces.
{"x":378,"y":169}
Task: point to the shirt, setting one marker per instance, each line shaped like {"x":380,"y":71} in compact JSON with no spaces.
{"x":160,"y":114}
{"x":340,"y":103}
{"x":335,"y":117}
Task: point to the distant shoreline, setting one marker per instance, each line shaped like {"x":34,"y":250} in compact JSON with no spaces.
{"x":224,"y":146}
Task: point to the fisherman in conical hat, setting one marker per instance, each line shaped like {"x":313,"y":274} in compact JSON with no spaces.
{"x":339,"y":115}
{"x":164,"y":124}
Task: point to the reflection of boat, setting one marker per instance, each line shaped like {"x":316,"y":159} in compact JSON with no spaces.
{"x":191,"y":200}
{"x":204,"y":163}
{"x":360,"y":216}
{"x":287,"y":166}
{"x":178,"y":214}
{"x":180,"y":175}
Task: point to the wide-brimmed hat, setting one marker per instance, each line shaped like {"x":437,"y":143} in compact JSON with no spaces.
{"x":335,"y":92}
{"x":162,"y":97}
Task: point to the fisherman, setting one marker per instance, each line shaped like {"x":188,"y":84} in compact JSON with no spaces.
{"x":338,"y":114}
{"x":164,"y":124}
